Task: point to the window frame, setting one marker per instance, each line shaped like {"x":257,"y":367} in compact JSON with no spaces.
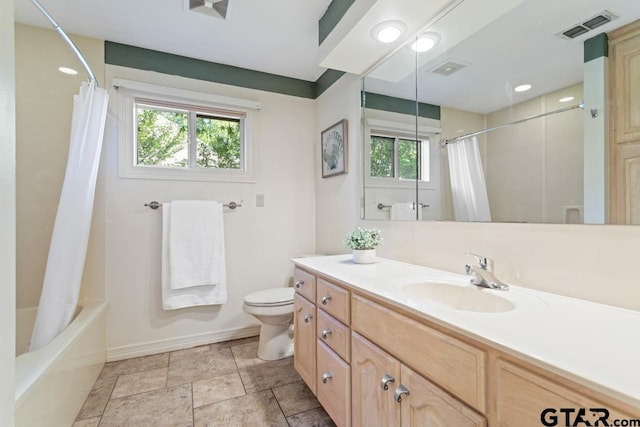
{"x":132,"y":93}
{"x":399,"y":131}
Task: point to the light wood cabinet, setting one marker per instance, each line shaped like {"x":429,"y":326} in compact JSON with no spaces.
{"x":525,"y":399}
{"x":304,"y":340}
{"x":424,"y":404}
{"x":334,"y":380}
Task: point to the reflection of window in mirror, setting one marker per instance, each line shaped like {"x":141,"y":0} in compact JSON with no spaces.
{"x":396,"y":157}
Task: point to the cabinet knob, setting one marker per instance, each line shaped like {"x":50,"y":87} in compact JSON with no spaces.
{"x":299,"y":284}
{"x":402,"y":390}
{"x":308,"y":317}
{"x":326,"y":299}
{"x":326,"y":377}
{"x":384,"y":383}
{"x":326,"y":333}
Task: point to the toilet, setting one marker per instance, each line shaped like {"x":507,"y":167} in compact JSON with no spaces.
{"x":274,"y":309}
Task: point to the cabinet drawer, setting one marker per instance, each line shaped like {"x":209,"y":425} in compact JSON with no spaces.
{"x":304,"y":284}
{"x":334,"y":334}
{"x":334,"y":393}
{"x":334,"y":300}
{"x":452,"y":364}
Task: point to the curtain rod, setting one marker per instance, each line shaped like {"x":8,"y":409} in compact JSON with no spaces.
{"x":66,"y":38}
{"x":480,"y":132}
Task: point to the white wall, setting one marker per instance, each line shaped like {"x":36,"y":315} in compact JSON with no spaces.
{"x":7,"y":214}
{"x":594,"y":262}
{"x":259,"y":241}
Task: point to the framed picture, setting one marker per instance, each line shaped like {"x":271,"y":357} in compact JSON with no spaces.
{"x":334,"y":149}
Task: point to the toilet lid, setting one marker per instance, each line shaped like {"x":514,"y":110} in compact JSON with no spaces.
{"x":270,"y":297}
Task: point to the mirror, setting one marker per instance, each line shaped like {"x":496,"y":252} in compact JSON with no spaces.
{"x":458,"y":108}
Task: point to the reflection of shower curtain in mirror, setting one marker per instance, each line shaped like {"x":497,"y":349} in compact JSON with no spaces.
{"x":468,"y":186}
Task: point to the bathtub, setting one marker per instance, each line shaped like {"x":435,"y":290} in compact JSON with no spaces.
{"x":53,"y":382}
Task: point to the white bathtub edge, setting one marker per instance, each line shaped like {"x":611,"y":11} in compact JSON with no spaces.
{"x":31,"y":366}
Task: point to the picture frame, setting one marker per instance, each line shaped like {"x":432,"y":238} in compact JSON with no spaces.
{"x":334,"y":149}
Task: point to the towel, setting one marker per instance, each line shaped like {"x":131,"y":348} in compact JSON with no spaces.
{"x":193,"y":261}
{"x":405,"y":211}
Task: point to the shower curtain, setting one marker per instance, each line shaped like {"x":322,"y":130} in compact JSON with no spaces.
{"x":468,"y":186}
{"x":68,"y":249}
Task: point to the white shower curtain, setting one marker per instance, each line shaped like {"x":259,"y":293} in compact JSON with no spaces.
{"x":468,"y":186}
{"x":70,"y":237}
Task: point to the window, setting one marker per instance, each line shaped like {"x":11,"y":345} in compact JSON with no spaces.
{"x":397,"y":157}
{"x":174,"y":134}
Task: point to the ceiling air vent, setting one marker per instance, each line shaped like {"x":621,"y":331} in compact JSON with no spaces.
{"x":587,"y":25}
{"x":449,"y":67}
{"x":215,"y":8}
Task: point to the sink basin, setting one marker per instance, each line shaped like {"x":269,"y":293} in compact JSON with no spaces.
{"x":466,"y":298}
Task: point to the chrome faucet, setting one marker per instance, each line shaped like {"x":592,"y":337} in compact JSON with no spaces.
{"x":482,"y":274}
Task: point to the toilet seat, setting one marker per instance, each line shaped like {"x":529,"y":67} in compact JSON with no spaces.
{"x":275,"y":297}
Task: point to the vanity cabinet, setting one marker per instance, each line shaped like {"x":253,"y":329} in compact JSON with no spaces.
{"x":322,"y":342}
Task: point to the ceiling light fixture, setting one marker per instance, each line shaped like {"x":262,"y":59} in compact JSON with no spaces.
{"x":425,"y":42}
{"x":67,"y":70}
{"x":522,"y":88}
{"x":388,"y":31}
{"x":566,"y":99}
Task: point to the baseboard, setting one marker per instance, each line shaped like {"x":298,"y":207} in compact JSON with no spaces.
{"x":161,"y":346}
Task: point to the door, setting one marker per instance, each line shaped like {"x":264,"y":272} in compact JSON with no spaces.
{"x":304,"y":340}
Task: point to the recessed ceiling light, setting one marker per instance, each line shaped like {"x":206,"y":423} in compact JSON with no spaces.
{"x":388,"y":31}
{"x":522,"y":88}
{"x":68,"y":70}
{"x":566,"y":99}
{"x":425,"y":42}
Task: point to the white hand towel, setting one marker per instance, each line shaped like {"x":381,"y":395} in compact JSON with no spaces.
{"x":405,"y":211}
{"x":188,"y":296}
{"x":196,"y":244}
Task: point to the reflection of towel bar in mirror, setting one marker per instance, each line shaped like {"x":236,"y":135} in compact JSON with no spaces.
{"x":383,"y":206}
{"x":231,"y":205}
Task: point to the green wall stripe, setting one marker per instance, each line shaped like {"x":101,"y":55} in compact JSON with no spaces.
{"x":325,"y":81}
{"x":331,"y":17}
{"x":151,"y":60}
{"x":596,"y":47}
{"x":399,"y":105}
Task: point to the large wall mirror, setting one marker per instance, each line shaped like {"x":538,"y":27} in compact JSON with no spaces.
{"x":504,"y":119}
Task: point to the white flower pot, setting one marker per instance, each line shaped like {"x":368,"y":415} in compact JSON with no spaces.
{"x":364,"y":256}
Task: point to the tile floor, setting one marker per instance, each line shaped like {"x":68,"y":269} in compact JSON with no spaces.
{"x":222,"y":384}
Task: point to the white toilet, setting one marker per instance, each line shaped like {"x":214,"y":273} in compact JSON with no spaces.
{"x":274,"y":308}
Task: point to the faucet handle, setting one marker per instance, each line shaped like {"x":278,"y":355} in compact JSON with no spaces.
{"x":483,"y":262}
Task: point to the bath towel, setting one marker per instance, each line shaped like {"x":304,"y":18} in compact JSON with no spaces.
{"x":405,"y":211}
{"x":193,"y":259}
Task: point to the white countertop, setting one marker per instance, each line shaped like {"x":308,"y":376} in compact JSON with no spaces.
{"x":593,"y":344}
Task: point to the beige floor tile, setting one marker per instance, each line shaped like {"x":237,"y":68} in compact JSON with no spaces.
{"x":167,"y":407}
{"x":217,"y":389}
{"x":200,"y":366}
{"x":295,"y":398}
{"x":246,"y":354}
{"x":137,"y":364}
{"x":314,"y":418}
{"x":268,"y":375}
{"x":140,"y":382}
{"x":258,"y":409}
{"x":98,"y":397}
{"x":188,"y":351}
{"x":89,"y":422}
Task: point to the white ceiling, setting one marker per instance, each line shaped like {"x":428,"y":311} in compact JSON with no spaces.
{"x":519,"y":46}
{"x":276,"y":36}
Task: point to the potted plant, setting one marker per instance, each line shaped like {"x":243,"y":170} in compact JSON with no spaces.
{"x":363,"y":242}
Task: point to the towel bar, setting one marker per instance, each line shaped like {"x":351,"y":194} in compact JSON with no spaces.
{"x":382,"y":206}
{"x":231,"y":205}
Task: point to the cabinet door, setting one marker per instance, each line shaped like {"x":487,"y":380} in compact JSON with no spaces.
{"x":526,"y":399}
{"x":304,"y":340}
{"x":429,"y":406}
{"x":372,"y":405}
{"x":333,"y":380}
